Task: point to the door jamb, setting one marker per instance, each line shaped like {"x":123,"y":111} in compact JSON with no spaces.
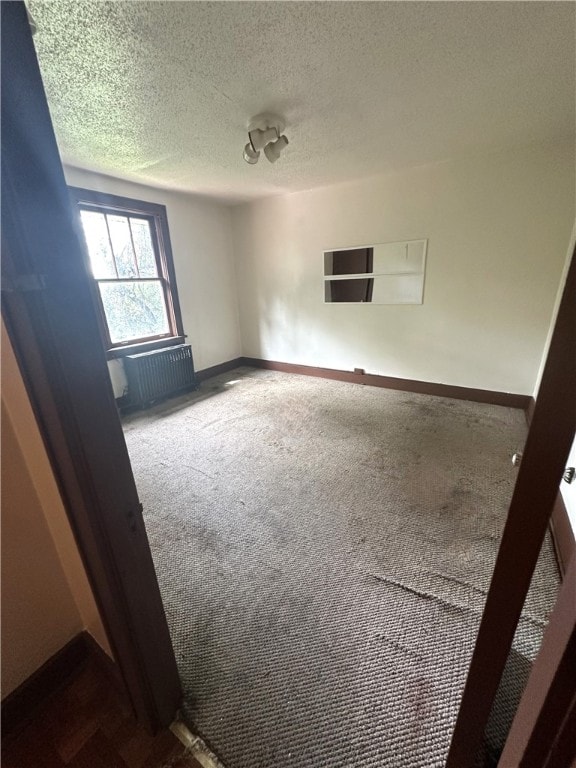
{"x":75,"y":404}
{"x":536,"y":732}
{"x":546,"y":451}
{"x":51,"y":319}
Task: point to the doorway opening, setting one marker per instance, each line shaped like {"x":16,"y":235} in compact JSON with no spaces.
{"x":305,"y":521}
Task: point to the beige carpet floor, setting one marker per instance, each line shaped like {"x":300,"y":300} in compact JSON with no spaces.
{"x":324,"y":551}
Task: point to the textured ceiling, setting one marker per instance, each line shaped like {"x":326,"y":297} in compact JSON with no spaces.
{"x":161,"y":92}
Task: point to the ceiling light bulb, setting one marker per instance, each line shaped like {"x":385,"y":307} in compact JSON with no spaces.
{"x":273,"y":150}
{"x":250,"y":155}
{"x":259,"y":138}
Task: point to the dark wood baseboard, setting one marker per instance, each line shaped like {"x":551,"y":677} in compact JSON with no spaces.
{"x":390,"y":382}
{"x":106,"y":663}
{"x":216,"y":370}
{"x":22,"y":705}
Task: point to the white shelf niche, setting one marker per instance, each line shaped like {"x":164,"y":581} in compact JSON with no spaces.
{"x":394,"y":273}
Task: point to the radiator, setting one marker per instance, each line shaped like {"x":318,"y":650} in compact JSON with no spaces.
{"x":158,"y":374}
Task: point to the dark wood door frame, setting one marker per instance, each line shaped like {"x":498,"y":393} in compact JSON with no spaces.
{"x":560,"y":526}
{"x":536,"y":736}
{"x":544,"y":459}
{"x":52,"y":322}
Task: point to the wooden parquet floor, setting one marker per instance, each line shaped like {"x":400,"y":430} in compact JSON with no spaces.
{"x":86,"y":724}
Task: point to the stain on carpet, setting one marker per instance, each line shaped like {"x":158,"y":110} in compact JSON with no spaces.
{"x":324,"y":550}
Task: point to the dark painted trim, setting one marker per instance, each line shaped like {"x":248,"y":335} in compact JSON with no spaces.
{"x":562,"y":535}
{"x":106,"y":664}
{"x":548,"y":444}
{"x":562,"y":754}
{"x":560,"y":527}
{"x":390,"y":382}
{"x":165,"y":260}
{"x":216,"y":370}
{"x":544,"y":727}
{"x":20,"y":707}
{"x":374,"y":380}
{"x":48,"y":308}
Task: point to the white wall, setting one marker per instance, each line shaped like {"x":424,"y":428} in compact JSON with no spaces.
{"x":46,"y":596}
{"x":497,"y":228}
{"x":200,"y":233}
{"x":560,"y":290}
{"x":38,"y":469}
{"x":39,"y":614}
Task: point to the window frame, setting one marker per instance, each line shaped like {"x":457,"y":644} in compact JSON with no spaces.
{"x":156,"y":215}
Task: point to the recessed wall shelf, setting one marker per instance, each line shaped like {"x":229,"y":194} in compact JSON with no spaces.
{"x":387,"y":273}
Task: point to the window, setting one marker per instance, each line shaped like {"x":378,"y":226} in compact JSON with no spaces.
{"x":129,"y":256}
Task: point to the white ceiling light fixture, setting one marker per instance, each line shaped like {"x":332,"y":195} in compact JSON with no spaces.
{"x":259,"y":138}
{"x":265,"y":132}
{"x":250,"y":154}
{"x":273,"y":150}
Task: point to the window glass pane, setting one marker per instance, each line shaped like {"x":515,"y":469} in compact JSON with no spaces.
{"x":134,"y":310}
{"x":96,"y":235}
{"x":122,"y":245}
{"x":144,"y":248}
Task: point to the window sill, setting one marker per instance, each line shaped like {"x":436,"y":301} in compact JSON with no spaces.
{"x":145,"y":346}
